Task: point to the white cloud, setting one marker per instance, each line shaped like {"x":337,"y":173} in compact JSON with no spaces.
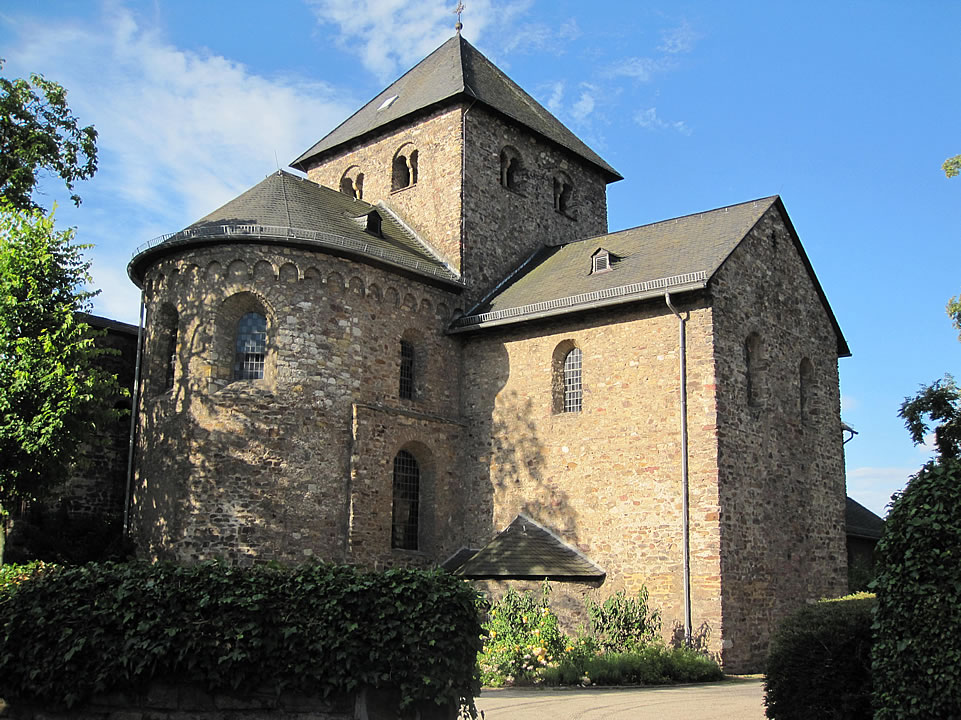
{"x":649,"y":119}
{"x":639,"y":68}
{"x":556,"y":97}
{"x":536,"y":38}
{"x":873,"y":486}
{"x":849,"y":403}
{"x":584,"y":105}
{"x":390,"y":36}
{"x":680,"y":39}
{"x":180,"y":131}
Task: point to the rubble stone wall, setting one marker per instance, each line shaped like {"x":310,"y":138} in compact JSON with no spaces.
{"x":606,"y":480}
{"x":262,"y":469}
{"x":780,"y":462}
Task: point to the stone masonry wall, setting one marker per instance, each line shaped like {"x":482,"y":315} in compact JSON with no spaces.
{"x":97,"y":485}
{"x":483,"y":229}
{"x":606,"y":480}
{"x":431,"y":206}
{"x":263,"y":469}
{"x":780,"y":465}
{"x":503,"y":226}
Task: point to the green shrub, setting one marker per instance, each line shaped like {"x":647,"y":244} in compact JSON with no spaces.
{"x":622,"y":623}
{"x":917,"y":650}
{"x":524,"y":646}
{"x":820,"y":662}
{"x":650,"y":665}
{"x":67,"y":633}
{"x":522,"y":638}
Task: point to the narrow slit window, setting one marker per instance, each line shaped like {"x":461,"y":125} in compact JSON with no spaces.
{"x":406,"y":370}
{"x":171,"y":357}
{"x":251,"y":347}
{"x":406,"y":503}
{"x":573,"y":393}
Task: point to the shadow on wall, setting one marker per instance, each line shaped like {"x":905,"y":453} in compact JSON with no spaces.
{"x":510,"y":454}
{"x":223,"y":473}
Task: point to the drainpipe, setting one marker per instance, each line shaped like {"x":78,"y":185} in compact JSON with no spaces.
{"x":134,"y":416}
{"x":686,"y":531}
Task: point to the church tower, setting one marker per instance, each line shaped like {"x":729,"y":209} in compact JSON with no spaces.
{"x":475,"y":166}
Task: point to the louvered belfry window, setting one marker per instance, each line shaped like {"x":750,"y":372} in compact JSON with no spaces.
{"x":251,"y":347}
{"x":572,"y":381}
{"x":406,"y":370}
{"x":406,"y":505}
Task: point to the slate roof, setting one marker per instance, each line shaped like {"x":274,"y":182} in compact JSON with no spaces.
{"x":290,"y":210}
{"x":456,"y":70}
{"x":676,"y":255}
{"x":526,"y":550}
{"x":103,"y":323}
{"x":861,"y":522}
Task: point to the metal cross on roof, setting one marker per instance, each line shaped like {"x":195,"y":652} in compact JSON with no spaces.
{"x":457,"y":11}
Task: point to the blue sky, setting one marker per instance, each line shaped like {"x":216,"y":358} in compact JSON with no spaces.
{"x":845,"y":109}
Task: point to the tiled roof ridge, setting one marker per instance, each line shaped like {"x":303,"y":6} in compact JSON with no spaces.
{"x":412,"y":234}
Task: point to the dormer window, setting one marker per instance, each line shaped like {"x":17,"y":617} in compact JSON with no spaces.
{"x":601,"y":262}
{"x":374,"y":224}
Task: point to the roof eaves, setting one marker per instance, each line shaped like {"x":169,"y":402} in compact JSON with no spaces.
{"x":586,"y":301}
{"x":212,"y":235}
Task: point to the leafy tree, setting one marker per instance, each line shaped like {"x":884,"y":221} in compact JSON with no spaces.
{"x":941,"y":402}
{"x":954,"y":312}
{"x":38,"y":132}
{"x":52,"y":393}
{"x":952,"y":166}
{"x":916,"y":658}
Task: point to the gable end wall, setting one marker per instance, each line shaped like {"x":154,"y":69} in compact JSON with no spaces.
{"x":780,"y":471}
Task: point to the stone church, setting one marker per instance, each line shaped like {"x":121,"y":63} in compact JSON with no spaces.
{"x":432,"y":352}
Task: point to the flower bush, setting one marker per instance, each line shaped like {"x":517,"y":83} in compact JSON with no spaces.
{"x":524,"y":646}
{"x":522,"y":638}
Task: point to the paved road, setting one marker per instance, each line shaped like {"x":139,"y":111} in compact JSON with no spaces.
{"x":730,"y":700}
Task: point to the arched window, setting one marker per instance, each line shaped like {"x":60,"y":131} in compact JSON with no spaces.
{"x":404,"y":168}
{"x":563,"y":194}
{"x":406,"y":370}
{"x":352,"y":182}
{"x":572,"y":381}
{"x":511,"y":169}
{"x":752,"y":369}
{"x":168,"y":321}
{"x":805,"y":386}
{"x":406,"y":503}
{"x":250,"y":347}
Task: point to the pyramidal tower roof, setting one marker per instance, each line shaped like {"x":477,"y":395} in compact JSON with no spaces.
{"x":453,"y":71}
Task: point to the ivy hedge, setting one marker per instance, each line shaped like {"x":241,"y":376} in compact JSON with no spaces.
{"x":819,"y":664}
{"x":917,"y":650}
{"x":69,"y":633}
